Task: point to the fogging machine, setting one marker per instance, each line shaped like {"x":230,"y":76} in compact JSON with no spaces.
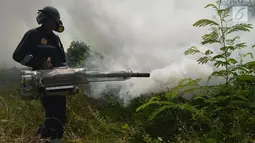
{"x":64,"y":81}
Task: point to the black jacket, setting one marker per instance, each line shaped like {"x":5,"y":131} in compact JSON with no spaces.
{"x":40,"y":46}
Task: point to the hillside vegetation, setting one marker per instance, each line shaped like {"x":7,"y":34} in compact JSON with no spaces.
{"x":223,"y":113}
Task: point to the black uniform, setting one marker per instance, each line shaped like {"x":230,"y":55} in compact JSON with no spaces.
{"x":41,"y":46}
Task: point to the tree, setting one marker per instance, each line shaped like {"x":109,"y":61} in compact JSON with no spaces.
{"x":77,"y":53}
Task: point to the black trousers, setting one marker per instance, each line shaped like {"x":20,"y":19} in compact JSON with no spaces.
{"x":55,"y":113}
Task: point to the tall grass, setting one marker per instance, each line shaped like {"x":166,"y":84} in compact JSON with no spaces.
{"x":19,"y":120}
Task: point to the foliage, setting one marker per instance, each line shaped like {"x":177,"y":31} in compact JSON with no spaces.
{"x":19,"y":121}
{"x":77,"y":53}
{"x":219,"y":113}
{"x":172,"y":97}
{"x":220,"y":32}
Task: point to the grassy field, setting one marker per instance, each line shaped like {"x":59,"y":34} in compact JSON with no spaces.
{"x":106,"y":121}
{"x":19,"y":120}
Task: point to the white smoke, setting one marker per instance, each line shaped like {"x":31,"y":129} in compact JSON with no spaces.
{"x":144,"y":35}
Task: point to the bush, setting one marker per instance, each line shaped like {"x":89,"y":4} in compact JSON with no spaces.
{"x":220,"y":113}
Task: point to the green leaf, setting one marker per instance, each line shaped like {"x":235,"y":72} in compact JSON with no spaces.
{"x":191,"y":90}
{"x":203,"y":60}
{"x":200,"y":97}
{"x":125,"y":126}
{"x":159,"y":110}
{"x":225,"y":13}
{"x":160,"y":139}
{"x":181,"y":88}
{"x":220,"y":11}
{"x":231,"y":48}
{"x":205,"y":22}
{"x":232,"y":61}
{"x":240,"y":68}
{"x":153,"y":102}
{"x":219,"y":73}
{"x":250,"y":64}
{"x":147,"y":104}
{"x":223,"y":48}
{"x":220,"y":63}
{"x":187,"y":82}
{"x":236,"y":96}
{"x":231,"y":41}
{"x":209,"y":41}
{"x":210,"y":38}
{"x":226,"y":48}
{"x":246,"y":77}
{"x":193,"y":50}
{"x":248,"y":54}
{"x":211,"y":5}
{"x":172,"y":95}
{"x":220,"y":56}
{"x":240,"y":27}
{"x":188,"y":107}
{"x":240,"y":45}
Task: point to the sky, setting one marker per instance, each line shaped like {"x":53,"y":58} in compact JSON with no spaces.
{"x":144,"y":35}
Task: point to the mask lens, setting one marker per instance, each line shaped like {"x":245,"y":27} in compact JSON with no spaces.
{"x":60,"y":29}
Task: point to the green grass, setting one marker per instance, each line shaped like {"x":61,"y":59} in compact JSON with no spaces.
{"x":106,"y":121}
{"x":19,"y":120}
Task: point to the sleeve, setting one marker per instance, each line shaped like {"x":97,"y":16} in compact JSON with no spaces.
{"x":23,"y":52}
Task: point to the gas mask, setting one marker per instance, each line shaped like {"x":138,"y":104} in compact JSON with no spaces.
{"x":60,"y":28}
{"x":50,"y":14}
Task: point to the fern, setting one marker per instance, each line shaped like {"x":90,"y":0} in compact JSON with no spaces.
{"x":208,"y":52}
{"x":212,"y":5}
{"x":191,"y":51}
{"x":232,"y":41}
{"x":205,"y":22}
{"x":203,"y":60}
{"x":248,"y":54}
{"x":239,"y":27}
{"x":232,"y":61}
{"x":219,"y":34}
{"x":221,"y":112}
{"x":185,"y":86}
{"x":159,"y":110}
{"x":210,"y":38}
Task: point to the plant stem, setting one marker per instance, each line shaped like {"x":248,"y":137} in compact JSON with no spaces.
{"x":224,"y":45}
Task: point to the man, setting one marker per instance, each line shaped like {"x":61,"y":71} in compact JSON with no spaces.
{"x":40,"y":48}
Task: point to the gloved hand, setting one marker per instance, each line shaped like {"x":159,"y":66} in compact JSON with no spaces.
{"x":47,"y":64}
{"x":65,"y":64}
